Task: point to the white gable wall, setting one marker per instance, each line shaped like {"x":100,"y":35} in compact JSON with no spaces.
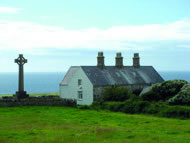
{"x":70,"y":90}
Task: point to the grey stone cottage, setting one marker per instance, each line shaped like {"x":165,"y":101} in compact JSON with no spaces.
{"x":87,"y":83}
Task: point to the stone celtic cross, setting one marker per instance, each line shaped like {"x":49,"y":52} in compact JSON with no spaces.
{"x":21,"y":93}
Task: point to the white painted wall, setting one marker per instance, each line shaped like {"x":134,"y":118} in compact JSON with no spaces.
{"x":70,"y":90}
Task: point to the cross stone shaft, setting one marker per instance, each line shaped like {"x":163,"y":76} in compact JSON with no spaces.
{"x":21,"y":61}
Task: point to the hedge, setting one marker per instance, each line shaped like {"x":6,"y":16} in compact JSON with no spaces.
{"x":182,"y":98}
{"x":164,"y":91}
{"x":116,"y":93}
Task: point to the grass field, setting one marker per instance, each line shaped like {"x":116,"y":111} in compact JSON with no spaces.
{"x":65,"y":124}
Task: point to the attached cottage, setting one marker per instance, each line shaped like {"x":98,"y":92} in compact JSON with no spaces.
{"x":87,"y":83}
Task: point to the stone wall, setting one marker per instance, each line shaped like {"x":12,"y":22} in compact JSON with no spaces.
{"x":9,"y":101}
{"x":98,"y":91}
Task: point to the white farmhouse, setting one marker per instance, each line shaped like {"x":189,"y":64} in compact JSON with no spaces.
{"x":87,"y":83}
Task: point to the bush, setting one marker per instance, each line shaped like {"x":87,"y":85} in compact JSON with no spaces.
{"x":175,"y":112}
{"x":151,"y":96}
{"x":152,"y":109}
{"x":182,"y":98}
{"x":138,"y":106}
{"x":186,"y":87}
{"x":134,"y":106}
{"x":116,"y":93}
{"x":113,"y":106}
{"x":164,"y":91}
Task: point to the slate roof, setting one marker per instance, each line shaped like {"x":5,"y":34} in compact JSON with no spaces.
{"x":111,"y":75}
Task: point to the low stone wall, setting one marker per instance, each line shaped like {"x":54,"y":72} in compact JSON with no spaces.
{"x":9,"y":101}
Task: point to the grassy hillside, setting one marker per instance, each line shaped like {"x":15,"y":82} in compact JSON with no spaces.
{"x":64,"y":124}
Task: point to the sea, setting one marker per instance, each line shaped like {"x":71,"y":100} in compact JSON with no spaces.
{"x":47,"y":82}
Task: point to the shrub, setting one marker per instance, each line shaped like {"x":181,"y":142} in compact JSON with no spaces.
{"x":116,"y":93}
{"x":182,"y":98}
{"x":163,"y":110}
{"x":138,"y":106}
{"x":113,"y":106}
{"x":186,"y":87}
{"x":175,"y":112}
{"x":97,"y":105}
{"x":164,"y":91}
{"x":151,"y":96}
{"x":152,"y":109}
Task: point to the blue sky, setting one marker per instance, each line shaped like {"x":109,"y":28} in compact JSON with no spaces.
{"x":54,"y":35}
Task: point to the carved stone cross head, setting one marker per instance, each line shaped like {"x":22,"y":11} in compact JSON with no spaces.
{"x":20,"y":60}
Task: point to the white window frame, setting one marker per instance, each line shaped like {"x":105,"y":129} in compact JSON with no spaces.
{"x":80,"y":95}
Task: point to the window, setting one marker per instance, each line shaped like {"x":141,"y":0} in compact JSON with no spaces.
{"x":80,"y":95}
{"x":79,"y":82}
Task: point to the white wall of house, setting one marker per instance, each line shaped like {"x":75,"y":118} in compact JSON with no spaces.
{"x":71,"y":89}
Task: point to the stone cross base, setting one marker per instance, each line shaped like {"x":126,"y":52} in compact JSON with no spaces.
{"x":20,"y":95}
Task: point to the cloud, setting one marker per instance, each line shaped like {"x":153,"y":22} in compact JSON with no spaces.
{"x":9,"y":10}
{"x":32,"y":37}
{"x":184,"y":46}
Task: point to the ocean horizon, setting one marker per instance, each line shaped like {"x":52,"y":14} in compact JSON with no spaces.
{"x":46,"y":82}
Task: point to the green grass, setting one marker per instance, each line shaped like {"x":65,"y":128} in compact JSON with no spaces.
{"x":35,"y":94}
{"x":64,"y":124}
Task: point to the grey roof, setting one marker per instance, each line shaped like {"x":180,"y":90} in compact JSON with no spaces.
{"x":111,"y":75}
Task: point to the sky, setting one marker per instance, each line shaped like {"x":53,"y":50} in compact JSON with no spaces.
{"x":54,"y":35}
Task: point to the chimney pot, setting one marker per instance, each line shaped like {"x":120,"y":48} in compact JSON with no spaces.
{"x":118,"y":60}
{"x":100,"y":60}
{"x":100,"y":54}
{"x":118,"y":55}
{"x":136,"y":60}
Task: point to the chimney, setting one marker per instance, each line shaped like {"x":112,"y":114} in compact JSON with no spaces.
{"x":136,"y":60}
{"x":118,"y":60}
{"x":100,"y":60}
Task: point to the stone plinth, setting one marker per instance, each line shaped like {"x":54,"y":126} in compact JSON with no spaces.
{"x":20,"y":95}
